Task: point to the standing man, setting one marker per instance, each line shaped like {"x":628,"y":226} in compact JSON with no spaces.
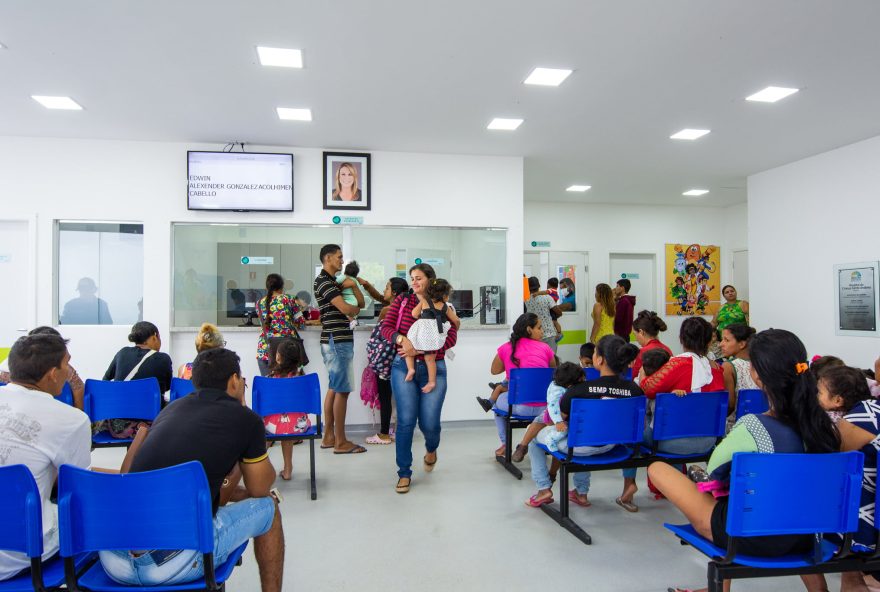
{"x":38,"y":431}
{"x":337,"y":349}
{"x":623,"y":314}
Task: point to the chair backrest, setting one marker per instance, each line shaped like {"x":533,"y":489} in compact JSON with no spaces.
{"x":794,"y":493}
{"x":529,"y":385}
{"x":691,"y":416}
{"x":180,"y":387}
{"x":593,"y":374}
{"x":66,"y":395}
{"x":300,"y":394}
{"x":134,"y":399}
{"x":596,"y":422}
{"x":165,"y":509}
{"x":21,"y":525}
{"x":751,"y":401}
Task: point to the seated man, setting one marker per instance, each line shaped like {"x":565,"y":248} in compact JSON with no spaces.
{"x":38,"y":431}
{"x":214,"y":427}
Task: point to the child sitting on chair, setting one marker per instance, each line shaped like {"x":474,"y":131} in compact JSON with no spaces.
{"x":428,"y":334}
{"x":586,"y":355}
{"x":346,"y":281}
{"x":286,"y":363}
{"x":566,"y":375}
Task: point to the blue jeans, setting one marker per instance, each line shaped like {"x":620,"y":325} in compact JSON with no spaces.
{"x":540,"y":472}
{"x":674,"y":446}
{"x":338,"y":357}
{"x":524,"y":410}
{"x":234,"y":525}
{"x":414,"y":405}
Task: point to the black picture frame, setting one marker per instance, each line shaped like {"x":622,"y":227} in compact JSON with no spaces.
{"x":359,"y":162}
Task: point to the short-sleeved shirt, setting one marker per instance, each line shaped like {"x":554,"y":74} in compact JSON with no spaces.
{"x":157,"y":366}
{"x":333,"y":322}
{"x":604,"y":387}
{"x":529,"y":352}
{"x":207,"y":426}
{"x":541,"y":305}
{"x":280,"y":319}
{"x":41,"y":433}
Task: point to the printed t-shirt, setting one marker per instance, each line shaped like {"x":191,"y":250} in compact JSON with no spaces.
{"x":604,"y":387}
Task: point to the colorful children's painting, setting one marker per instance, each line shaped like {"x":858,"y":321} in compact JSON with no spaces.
{"x":693,"y":279}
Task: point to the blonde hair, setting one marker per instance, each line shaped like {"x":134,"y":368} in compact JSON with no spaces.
{"x":605,"y":297}
{"x":209,"y":337}
{"x":354,"y":188}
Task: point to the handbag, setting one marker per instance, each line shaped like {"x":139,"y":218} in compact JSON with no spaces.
{"x":380,"y":351}
{"x":369,"y":388}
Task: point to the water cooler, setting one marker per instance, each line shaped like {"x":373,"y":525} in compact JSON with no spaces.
{"x":491,"y":311}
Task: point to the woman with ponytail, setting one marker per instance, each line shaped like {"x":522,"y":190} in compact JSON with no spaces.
{"x":525,"y":349}
{"x":795,"y":423}
{"x":647,"y":326}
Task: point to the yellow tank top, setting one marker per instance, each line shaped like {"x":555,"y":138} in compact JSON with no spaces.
{"x":606,"y":326}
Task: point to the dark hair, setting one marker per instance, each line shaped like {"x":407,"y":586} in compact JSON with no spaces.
{"x":625,"y":284}
{"x":848,"y":384}
{"x":291,"y":361}
{"x":141,"y":331}
{"x":725,"y":287}
{"x":534,"y":284}
{"x":568,"y":374}
{"x":654,"y":359}
{"x":212,"y":368}
{"x":689,"y":267}
{"x":398,"y":286}
{"x":567,"y":282}
{"x":716,"y":333}
{"x":32,"y":356}
{"x":587,"y":350}
{"x":740,"y":332}
{"x":648,"y":322}
{"x":425,"y":269}
{"x":328,"y":250}
{"x":695,"y":335}
{"x":553,"y":283}
{"x":352,"y":268}
{"x":438,"y":289}
{"x":618,"y":353}
{"x":519,"y":331}
{"x":775,"y":355}
{"x":869,"y":373}
{"x":274,"y":283}
{"x":44,"y":330}
{"x":820,"y":366}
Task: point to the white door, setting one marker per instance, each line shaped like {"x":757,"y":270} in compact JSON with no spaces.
{"x":16,"y":298}
{"x":741,"y":274}
{"x":639,"y":269}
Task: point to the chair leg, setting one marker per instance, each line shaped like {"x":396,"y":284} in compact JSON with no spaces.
{"x":715,"y":583}
{"x":312,"y":468}
{"x":505,"y":460}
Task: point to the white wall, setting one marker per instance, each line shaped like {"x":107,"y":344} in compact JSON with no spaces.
{"x":805,"y":217}
{"x":602,"y":229}
{"x":145,"y":182}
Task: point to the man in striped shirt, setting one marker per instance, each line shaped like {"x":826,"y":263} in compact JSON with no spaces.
{"x":337,"y":349}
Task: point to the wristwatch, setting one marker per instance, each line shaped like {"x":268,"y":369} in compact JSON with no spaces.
{"x":399,"y":339}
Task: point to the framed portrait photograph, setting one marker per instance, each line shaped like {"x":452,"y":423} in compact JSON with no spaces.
{"x":347,"y":181}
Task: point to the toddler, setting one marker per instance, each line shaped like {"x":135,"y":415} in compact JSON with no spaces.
{"x":566,"y":375}
{"x":586,"y":355}
{"x":346,"y":281}
{"x":654,"y":359}
{"x":428,"y":334}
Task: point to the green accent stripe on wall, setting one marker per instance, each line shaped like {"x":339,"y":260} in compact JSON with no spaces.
{"x":571,"y":337}
{"x":4,"y":353}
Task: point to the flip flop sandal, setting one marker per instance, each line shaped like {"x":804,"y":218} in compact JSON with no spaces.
{"x":403,"y":488}
{"x":573,"y":498}
{"x":429,"y":466}
{"x":356,"y":449}
{"x":628,"y":506}
{"x":679,"y":590}
{"x":375,"y":439}
{"x":533,"y":502}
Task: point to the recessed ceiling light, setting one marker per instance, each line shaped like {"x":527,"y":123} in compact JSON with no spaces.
{"x":500,"y":123}
{"x":689,"y":134}
{"x":276,"y":56}
{"x":580,"y":188}
{"x":771,"y":94}
{"x":289,"y":114}
{"x":696,"y":192}
{"x":547,"y":76}
{"x":57,"y":102}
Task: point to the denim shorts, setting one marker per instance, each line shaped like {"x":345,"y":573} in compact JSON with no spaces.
{"x":338,"y":357}
{"x":233,"y":526}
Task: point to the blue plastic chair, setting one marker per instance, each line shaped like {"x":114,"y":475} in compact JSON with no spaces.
{"x":695,"y":415}
{"x":762,"y":502}
{"x":66,"y":395}
{"x":527,"y":385}
{"x":300,"y":394}
{"x":180,"y":387}
{"x":165,"y":509}
{"x":596,"y":422}
{"x":107,"y":399}
{"x":593,"y":374}
{"x":751,"y":401}
{"x":21,"y":530}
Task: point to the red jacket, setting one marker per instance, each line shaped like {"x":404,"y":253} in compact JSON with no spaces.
{"x":653,"y":344}
{"x":676,"y":375}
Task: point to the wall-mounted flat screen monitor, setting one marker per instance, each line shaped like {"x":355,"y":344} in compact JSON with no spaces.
{"x":239,"y":181}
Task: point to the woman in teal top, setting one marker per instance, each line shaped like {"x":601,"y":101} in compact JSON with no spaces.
{"x":733,"y":311}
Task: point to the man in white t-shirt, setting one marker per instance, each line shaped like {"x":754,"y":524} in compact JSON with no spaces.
{"x":38,"y":431}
